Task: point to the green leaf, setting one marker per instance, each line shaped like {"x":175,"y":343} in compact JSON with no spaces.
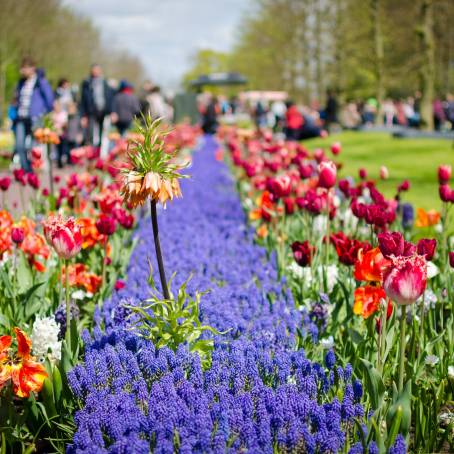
{"x":402,"y":404}
{"x":374,"y":383}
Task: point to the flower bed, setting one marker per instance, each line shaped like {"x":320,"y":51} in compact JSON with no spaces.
{"x":258,"y":393}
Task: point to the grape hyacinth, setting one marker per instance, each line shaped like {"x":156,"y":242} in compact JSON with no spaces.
{"x":259,"y":395}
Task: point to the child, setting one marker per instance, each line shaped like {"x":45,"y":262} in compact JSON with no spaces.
{"x":60,"y":121}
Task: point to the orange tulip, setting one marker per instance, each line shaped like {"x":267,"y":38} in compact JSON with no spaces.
{"x":426,"y":218}
{"x":370,"y":265}
{"x":81,"y":277}
{"x":367,"y":300}
{"x":26,"y":374}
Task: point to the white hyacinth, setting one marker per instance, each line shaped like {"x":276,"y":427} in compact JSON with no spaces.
{"x":44,"y":337}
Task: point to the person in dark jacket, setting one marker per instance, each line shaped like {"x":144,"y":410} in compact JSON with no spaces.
{"x":95,"y":104}
{"x":210,"y":117}
{"x":125,"y":107}
{"x":32,"y":100}
{"x":331,"y":109}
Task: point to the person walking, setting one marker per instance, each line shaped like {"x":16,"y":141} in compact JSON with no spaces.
{"x":33,"y":98}
{"x":95,"y":104}
{"x":125,"y":107}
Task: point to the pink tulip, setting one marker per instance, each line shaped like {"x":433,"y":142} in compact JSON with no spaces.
{"x":444,"y":174}
{"x":327,"y":174}
{"x":451,"y":259}
{"x":445,"y":192}
{"x":319,"y":155}
{"x":336,"y":148}
{"x":17,"y":235}
{"x":405,"y":280}
{"x":63,"y":235}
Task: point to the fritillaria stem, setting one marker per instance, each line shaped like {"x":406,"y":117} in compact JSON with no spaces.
{"x":403,"y":324}
{"x":157,"y":245}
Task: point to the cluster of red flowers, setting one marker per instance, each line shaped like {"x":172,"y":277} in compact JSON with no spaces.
{"x":445,"y":191}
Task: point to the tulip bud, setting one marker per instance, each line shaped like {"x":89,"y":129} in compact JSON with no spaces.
{"x":444,"y":174}
{"x":17,"y":235}
{"x":336,"y":148}
{"x":404,"y":186}
{"x":362,"y":173}
{"x":327,"y":174}
{"x":384,"y":173}
{"x":319,"y":155}
{"x":5,"y":183}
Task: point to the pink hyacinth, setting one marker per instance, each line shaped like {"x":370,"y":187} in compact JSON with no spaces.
{"x":405,"y":280}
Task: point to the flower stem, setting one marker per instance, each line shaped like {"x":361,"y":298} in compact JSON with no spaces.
{"x":51,"y":176}
{"x":382,"y":338}
{"x":68,"y":306}
{"x":421,"y":326}
{"x":157,"y":245}
{"x":104,"y":259}
{"x":403,"y":324}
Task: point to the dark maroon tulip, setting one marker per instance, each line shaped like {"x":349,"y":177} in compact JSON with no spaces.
{"x":427,"y":248}
{"x":451,"y":259}
{"x":17,"y":235}
{"x":106,"y":225}
{"x":303,"y":252}
{"x":391,"y":243}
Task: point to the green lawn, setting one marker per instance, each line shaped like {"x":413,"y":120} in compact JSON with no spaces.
{"x":414,"y":159}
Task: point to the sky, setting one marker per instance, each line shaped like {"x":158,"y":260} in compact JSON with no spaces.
{"x":165,"y":33}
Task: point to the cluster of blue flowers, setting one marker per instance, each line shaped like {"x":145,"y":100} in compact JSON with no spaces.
{"x":260,"y":393}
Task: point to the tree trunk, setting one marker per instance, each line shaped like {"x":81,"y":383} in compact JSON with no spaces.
{"x":427,"y":38}
{"x":379,"y":52}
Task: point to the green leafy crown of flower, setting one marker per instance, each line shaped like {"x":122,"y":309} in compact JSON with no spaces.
{"x":148,"y":154}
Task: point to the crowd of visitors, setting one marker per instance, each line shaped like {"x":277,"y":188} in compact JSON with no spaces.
{"x":79,"y":116}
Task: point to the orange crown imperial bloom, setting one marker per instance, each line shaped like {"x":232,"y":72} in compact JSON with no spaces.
{"x":26,"y":374}
{"x":371,"y":265}
{"x":427,"y":218}
{"x":367,"y":300}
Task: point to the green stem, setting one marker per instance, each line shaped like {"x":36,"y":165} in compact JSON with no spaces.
{"x":51,"y":176}
{"x":104,"y":259}
{"x":421,"y":326}
{"x":403,"y":324}
{"x":382,"y":338}
{"x":68,"y":306}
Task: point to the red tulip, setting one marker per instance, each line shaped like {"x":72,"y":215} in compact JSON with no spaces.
{"x":119,"y":284}
{"x":445,"y":193}
{"x":33,"y":180}
{"x":289,"y":204}
{"x":19,"y":176}
{"x":336,"y":148}
{"x":426,"y":247}
{"x":63,"y":235}
{"x":362,"y":173}
{"x":280,"y":186}
{"x":5,"y":183}
{"x":391,"y":243}
{"x":405,"y":280}
{"x":444,"y":174}
{"x":327,"y":174}
{"x":303,"y":252}
{"x":17,"y":235}
{"x":106,"y":225}
{"x":404,"y":186}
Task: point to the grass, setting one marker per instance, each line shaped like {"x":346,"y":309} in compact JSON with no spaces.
{"x":414,"y":159}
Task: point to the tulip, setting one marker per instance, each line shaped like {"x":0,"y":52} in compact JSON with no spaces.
{"x":391,"y":244}
{"x":327,"y":174}
{"x":17,"y":235}
{"x":303,"y":253}
{"x":367,"y":300}
{"x":362,"y":173}
{"x":106,"y":225}
{"x":66,"y":239}
{"x":64,"y":236}
{"x":280,"y":186}
{"x":426,"y":247}
{"x":404,"y":186}
{"x":19,"y":176}
{"x":33,"y":180}
{"x":405,"y":280}
{"x":336,"y":148}
{"x":319,"y":155}
{"x":444,"y":174}
{"x":444,"y":192}
{"x":451,"y":259}
{"x":384,"y":173}
{"x":5,"y":183}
